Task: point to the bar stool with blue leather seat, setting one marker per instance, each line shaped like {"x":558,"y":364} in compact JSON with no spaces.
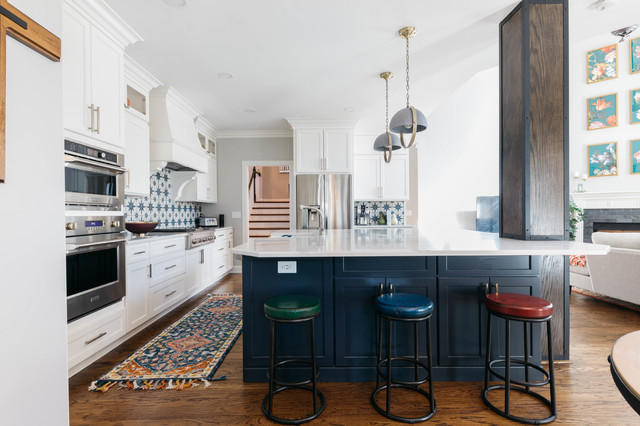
{"x":409,"y":308}
{"x":286,"y":310}
{"x":528,"y":310}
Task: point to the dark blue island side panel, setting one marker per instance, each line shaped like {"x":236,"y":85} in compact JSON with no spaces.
{"x":346,"y":335}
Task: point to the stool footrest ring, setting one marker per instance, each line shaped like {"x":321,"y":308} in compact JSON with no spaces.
{"x":321,"y":407}
{"x":383,"y":374}
{"x":520,"y":382}
{"x":399,"y":418}
{"x":509,"y":416}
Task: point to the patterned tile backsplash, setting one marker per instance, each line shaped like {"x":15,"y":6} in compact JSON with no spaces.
{"x":388,"y":207}
{"x":159,"y":206}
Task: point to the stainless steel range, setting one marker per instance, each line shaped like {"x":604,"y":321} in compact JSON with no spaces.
{"x":195,"y":236}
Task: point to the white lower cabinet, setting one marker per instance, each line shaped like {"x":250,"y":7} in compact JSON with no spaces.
{"x":198,"y":271}
{"x":137,"y":300}
{"x":166,"y":294}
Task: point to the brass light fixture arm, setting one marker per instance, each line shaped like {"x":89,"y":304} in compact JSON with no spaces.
{"x":413,"y":132}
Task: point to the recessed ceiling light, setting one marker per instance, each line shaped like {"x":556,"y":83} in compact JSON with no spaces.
{"x":225,"y":75}
{"x":175,"y":3}
{"x":349,"y":109}
{"x":249,"y":110}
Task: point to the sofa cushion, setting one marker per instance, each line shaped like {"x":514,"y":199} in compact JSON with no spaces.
{"x":628,"y":240}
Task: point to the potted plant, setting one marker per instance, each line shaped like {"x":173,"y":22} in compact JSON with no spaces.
{"x":576,"y":215}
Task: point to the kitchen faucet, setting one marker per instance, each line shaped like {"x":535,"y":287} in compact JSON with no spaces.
{"x":317,"y":210}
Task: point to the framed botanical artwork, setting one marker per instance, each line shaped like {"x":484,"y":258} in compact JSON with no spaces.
{"x":602,"y":64}
{"x":602,"y":112}
{"x":635,"y":157}
{"x":634,"y":55}
{"x":634,"y":100}
{"x":603,"y":159}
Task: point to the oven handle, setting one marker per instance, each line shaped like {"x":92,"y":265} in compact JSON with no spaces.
{"x":71,"y":247}
{"x":73,"y":159}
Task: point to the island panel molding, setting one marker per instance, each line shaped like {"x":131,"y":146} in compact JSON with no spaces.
{"x":33,"y":35}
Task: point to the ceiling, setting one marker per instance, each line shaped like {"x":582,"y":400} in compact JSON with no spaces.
{"x":321,"y":59}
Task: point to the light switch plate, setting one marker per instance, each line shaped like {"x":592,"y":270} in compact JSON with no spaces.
{"x":236,"y":215}
{"x":287,"y":267}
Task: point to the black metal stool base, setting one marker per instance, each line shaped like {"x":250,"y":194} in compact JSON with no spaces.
{"x":432,"y":410}
{"x":517,"y":418}
{"x":270,"y":416}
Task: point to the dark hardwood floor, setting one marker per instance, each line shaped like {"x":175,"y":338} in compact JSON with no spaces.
{"x":585,"y":391}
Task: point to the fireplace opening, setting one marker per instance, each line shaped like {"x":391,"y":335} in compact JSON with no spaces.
{"x":616,"y":227}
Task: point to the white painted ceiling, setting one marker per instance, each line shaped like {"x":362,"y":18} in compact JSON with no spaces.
{"x":314,"y":58}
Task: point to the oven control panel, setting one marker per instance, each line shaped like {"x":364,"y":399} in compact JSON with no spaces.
{"x":88,"y":225}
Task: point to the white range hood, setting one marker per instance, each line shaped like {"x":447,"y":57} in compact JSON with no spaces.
{"x":173,"y":136}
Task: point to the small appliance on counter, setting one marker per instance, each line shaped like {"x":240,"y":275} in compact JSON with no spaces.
{"x":203,"y":221}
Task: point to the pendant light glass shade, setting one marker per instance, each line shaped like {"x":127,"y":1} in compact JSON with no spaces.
{"x":409,"y":120}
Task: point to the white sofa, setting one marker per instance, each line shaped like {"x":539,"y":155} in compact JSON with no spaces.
{"x":616,"y":274}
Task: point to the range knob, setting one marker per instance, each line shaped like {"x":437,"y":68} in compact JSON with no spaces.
{"x":211,"y":238}
{"x":115,"y":224}
{"x":70,"y":226}
{"x":195,"y":241}
{"x":103,"y":155}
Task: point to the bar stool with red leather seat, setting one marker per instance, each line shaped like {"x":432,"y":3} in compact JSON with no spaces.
{"x":528,"y":310}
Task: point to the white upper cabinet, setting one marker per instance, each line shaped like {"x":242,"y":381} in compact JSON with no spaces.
{"x":92,"y":68}
{"x":322,"y":146}
{"x":373,"y":179}
{"x":136,"y":159}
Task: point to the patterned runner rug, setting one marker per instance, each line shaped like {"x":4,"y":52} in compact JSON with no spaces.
{"x":189,"y":350}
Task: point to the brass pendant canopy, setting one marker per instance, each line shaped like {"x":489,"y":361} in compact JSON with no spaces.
{"x":409,"y":120}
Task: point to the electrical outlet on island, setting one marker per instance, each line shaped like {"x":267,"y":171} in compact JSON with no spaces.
{"x":287,"y":267}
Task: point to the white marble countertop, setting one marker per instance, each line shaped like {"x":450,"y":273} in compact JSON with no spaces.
{"x":134,"y":239}
{"x":406,"y":242}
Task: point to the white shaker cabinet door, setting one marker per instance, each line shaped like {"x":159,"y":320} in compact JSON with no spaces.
{"x":366,"y":181}
{"x":337,"y":151}
{"x":136,"y":160}
{"x":76,"y":36}
{"x":309,"y":151}
{"x":137,"y":294}
{"x":106,"y":88}
{"x":395,"y":178}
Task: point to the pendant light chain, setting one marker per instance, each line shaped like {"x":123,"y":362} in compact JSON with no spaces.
{"x":407,"y":72}
{"x":387,"y":111}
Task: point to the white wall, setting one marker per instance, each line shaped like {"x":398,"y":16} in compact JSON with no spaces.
{"x":579,"y":136}
{"x":458,"y":155}
{"x":32,"y":258}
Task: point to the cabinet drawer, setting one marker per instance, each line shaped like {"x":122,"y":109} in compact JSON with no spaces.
{"x":222,"y":234}
{"x":88,"y":335}
{"x":491,"y":265}
{"x":166,"y":267}
{"x":137,"y":252}
{"x":166,"y":294}
{"x":219,"y":249}
{"x":219,"y":266}
{"x":380,"y":266}
{"x":164,"y":247}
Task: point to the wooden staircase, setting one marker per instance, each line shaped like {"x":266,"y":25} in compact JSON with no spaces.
{"x":266,"y":217}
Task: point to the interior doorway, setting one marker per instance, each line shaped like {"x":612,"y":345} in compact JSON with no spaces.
{"x":267,"y":198}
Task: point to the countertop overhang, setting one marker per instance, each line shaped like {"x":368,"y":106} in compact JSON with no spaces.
{"x":372,"y":242}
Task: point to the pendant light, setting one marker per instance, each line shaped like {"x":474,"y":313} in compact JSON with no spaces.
{"x":409,"y":119}
{"x":387,"y":141}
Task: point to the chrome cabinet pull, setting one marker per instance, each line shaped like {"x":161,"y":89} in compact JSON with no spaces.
{"x":170,"y":267}
{"x":202,"y":256}
{"x":98,"y":121}
{"x":172,"y":245}
{"x":169,"y":294}
{"x":139,"y":252}
{"x":220,"y":249}
{"x":221,"y":266}
{"x":150,"y":271}
{"x":127,"y":173}
{"x":87,"y":342}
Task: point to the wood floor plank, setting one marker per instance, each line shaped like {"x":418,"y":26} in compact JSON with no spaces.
{"x":585,"y":391}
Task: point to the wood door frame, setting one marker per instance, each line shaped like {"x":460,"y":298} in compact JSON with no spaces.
{"x":246,"y":166}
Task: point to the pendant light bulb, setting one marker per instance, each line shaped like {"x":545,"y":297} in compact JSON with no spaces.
{"x":409,"y":119}
{"x":387,"y":141}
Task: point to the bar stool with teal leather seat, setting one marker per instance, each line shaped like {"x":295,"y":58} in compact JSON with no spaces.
{"x":409,"y":308}
{"x":292,"y":309}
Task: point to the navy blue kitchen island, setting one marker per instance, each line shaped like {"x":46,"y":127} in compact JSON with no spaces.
{"x":348,"y":269}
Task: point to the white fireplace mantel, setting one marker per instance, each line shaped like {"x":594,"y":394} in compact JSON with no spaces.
{"x":607,"y":200}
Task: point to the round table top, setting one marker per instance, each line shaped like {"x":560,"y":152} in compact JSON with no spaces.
{"x":625,"y":357}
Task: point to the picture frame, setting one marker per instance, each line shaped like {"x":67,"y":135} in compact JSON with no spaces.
{"x":634,"y":159}
{"x":634,"y":55}
{"x":602,"y":112}
{"x":602,"y":64}
{"x":634,"y":106}
{"x":602,"y":159}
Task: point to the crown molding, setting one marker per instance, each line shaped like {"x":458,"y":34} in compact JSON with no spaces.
{"x":313,"y":123}
{"x":134,"y":73}
{"x":254,"y":134}
{"x":101,"y":15}
{"x":205,"y":126}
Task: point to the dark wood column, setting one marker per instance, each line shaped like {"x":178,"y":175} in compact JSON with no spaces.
{"x":534,"y":140}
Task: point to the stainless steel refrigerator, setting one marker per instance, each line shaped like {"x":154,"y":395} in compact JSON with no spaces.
{"x":327,"y":197}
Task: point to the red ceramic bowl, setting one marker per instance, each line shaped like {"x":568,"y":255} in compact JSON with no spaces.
{"x":140,"y":228}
